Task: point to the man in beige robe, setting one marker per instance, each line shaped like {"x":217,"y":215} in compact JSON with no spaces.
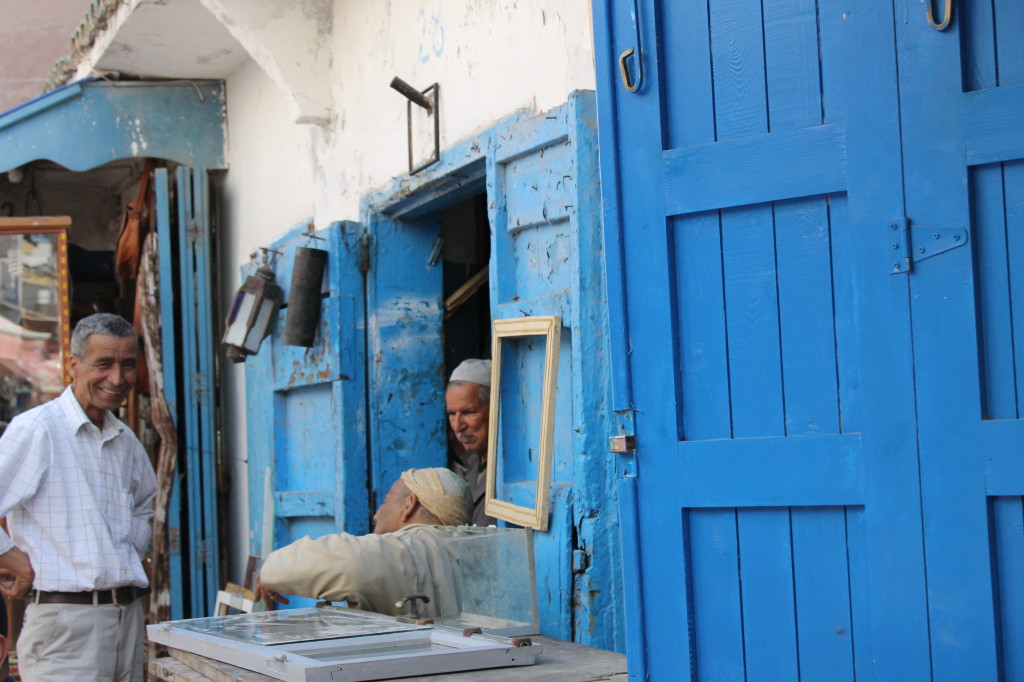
{"x":404,"y":556}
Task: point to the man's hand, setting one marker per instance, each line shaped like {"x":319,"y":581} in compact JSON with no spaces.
{"x":16,"y":573}
{"x":267,"y":596}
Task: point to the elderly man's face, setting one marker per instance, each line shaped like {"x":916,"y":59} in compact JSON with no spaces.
{"x":388,"y":518}
{"x":468,"y":415}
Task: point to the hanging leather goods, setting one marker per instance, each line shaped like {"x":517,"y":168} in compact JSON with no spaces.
{"x":129,"y":241}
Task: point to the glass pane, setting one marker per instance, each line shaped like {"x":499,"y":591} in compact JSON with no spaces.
{"x":32,"y":314}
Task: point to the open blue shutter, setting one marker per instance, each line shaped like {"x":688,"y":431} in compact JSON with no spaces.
{"x":198,"y":403}
{"x":305,"y":407}
{"x":546,"y":260}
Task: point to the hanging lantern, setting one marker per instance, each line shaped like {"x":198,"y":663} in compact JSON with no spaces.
{"x":251,"y":315}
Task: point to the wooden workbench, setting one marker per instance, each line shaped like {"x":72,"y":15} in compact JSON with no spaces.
{"x":561,"y":662}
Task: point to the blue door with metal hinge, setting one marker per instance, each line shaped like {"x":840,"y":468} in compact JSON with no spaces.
{"x":305,"y":407}
{"x":817,"y":215}
{"x":962,"y":106}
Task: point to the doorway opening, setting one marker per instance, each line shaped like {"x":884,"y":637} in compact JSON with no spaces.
{"x":466,"y":233}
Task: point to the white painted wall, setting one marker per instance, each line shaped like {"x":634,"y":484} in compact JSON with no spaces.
{"x":268,"y":189}
{"x":490,"y":59}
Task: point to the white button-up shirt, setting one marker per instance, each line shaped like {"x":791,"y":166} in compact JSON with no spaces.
{"x":78,"y":499}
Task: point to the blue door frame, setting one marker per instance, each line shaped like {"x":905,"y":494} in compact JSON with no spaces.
{"x":810,"y":417}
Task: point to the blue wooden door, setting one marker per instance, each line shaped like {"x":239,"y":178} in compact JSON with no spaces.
{"x":962,"y":106}
{"x":546,"y":260}
{"x":819,"y":221}
{"x":306,"y":414}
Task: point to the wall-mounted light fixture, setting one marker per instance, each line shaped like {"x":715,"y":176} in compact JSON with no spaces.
{"x":252,"y":313}
{"x":423,"y":122}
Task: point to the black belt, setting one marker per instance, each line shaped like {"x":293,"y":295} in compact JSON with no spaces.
{"x":118,"y":595}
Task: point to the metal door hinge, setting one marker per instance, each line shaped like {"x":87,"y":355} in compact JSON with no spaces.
{"x":912,"y":243}
{"x":365,"y":241}
{"x":622,"y":443}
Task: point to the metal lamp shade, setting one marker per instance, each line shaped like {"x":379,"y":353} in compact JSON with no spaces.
{"x":251,"y":314}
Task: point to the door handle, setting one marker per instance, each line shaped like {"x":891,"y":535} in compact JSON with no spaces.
{"x":636,"y":52}
{"x":947,"y":16}
{"x":627,"y":81}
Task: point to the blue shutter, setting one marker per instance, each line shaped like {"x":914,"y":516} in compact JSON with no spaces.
{"x":546,"y":259}
{"x":305,"y":407}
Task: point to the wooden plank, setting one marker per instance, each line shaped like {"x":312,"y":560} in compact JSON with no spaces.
{"x":193,"y":471}
{"x":752,"y":318}
{"x":996,"y":321}
{"x":217,"y":671}
{"x":700,"y":305}
{"x":976,"y":24}
{"x":205,"y":349}
{"x":792,"y":66}
{"x":168,"y":341}
{"x":806,"y":317}
{"x":737,"y":57}
{"x":171,"y":670}
{"x":847,"y":312}
{"x":686,"y":68}
{"x":35,"y":223}
{"x":961,"y":613}
{"x":755,"y":169}
{"x":1013,"y":210}
{"x":822,"y":585}
{"x":769,"y":617}
{"x":994,"y":123}
{"x":717,"y":615}
{"x":1008,"y":25}
{"x":770,"y":472}
{"x":1008,"y":533}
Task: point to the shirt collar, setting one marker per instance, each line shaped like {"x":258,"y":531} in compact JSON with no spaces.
{"x":112,"y":426}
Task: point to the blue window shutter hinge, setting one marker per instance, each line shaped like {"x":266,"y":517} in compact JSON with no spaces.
{"x":910,"y":244}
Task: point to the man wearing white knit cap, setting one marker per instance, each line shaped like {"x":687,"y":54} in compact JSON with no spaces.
{"x":468,"y":403}
{"x":402,"y":557}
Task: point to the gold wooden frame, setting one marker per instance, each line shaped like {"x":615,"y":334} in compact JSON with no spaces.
{"x":58,"y":225}
{"x":550,"y":327}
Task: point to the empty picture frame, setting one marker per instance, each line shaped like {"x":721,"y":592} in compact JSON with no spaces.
{"x":502,"y":444}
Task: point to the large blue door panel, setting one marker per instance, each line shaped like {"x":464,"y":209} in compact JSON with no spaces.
{"x":772,"y":390}
{"x":962,"y":101}
{"x":306,"y":407}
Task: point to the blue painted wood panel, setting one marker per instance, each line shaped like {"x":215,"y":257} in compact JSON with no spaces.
{"x":544,"y":208}
{"x":306,"y":407}
{"x":88,"y":123}
{"x":169,"y":325}
{"x":963,"y":316}
{"x":1008,"y":541}
{"x":771,"y":365}
{"x":198,"y":414}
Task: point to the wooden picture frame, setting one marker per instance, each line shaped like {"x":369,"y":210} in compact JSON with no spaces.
{"x":57,"y":227}
{"x":549,"y":327}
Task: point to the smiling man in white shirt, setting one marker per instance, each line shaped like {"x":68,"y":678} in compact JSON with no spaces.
{"x":77,"y":489}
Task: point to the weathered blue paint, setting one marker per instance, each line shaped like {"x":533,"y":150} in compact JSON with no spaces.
{"x":89,"y":123}
{"x":198,"y":402}
{"x":544,"y":201}
{"x":824,"y":488}
{"x":169,"y":324}
{"x":305,"y":407}
{"x":406,"y":399}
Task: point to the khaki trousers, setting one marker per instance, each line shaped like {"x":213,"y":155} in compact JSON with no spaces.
{"x":82,"y":642}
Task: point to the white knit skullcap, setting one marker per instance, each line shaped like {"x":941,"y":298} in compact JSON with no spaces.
{"x":477,"y":371}
{"x":442,"y":492}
